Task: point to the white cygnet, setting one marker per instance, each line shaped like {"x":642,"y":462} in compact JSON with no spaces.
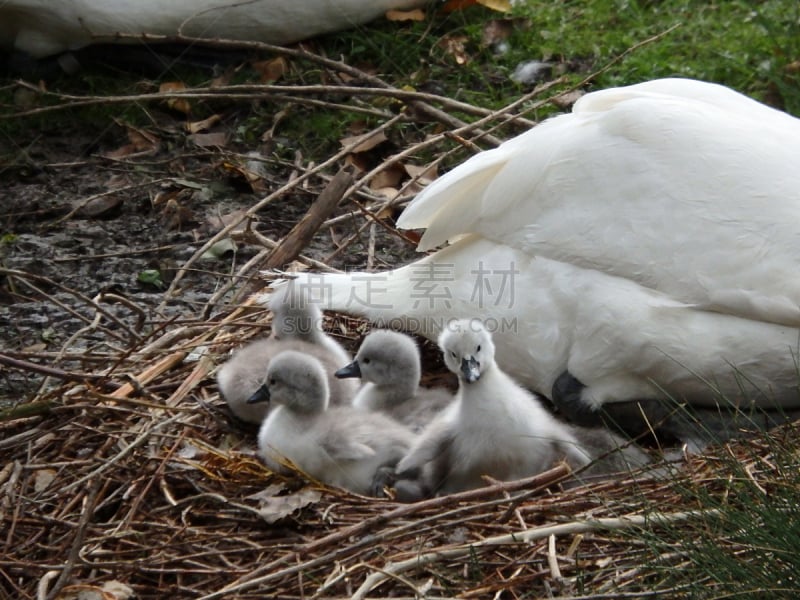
{"x":498,"y":429}
{"x":296,"y":325}
{"x":388,"y":364}
{"x":340,"y":446}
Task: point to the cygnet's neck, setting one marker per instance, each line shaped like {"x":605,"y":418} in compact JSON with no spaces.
{"x":379,"y":397}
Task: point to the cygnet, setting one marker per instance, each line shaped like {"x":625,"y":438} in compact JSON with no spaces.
{"x":494,"y":428}
{"x":296,"y":316}
{"x":499,"y":429}
{"x":340,"y":446}
{"x":388,"y":364}
{"x":296,"y":325}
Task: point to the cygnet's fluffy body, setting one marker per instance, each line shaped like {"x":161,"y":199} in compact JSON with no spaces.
{"x":494,"y":428}
{"x":296,"y":325}
{"x":388,"y":364}
{"x":340,"y":446}
{"x":245,"y":372}
{"x":498,"y":429}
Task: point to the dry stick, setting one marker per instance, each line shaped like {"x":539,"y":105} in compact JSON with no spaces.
{"x":255,"y":577}
{"x":536,"y":482}
{"x":80,"y":535}
{"x":300,"y":235}
{"x":140,"y":439}
{"x":24,"y":277}
{"x":25,"y":365}
{"x":251,"y":212}
{"x":613,"y":523}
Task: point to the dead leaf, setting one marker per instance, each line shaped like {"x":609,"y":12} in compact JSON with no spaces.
{"x":386,"y":192}
{"x":99,"y":207}
{"x":253,"y":178}
{"x":271,"y":70}
{"x":566,"y":99}
{"x":361,"y":143}
{"x":497,"y":31}
{"x":43,"y":479}
{"x":140,"y":142}
{"x":456,"y":5}
{"x":424,"y":175}
{"x":218,"y":139}
{"x":454,"y":46}
{"x":388,"y":177}
{"x":275,"y":508}
{"x":205,"y":124}
{"x":498,"y":5}
{"x":178,"y":104}
{"x":406,"y":15}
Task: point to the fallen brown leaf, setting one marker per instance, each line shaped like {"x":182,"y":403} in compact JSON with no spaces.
{"x":271,"y":70}
{"x":406,"y":15}
{"x":361,"y":143}
{"x":178,"y":104}
{"x":204,"y":140}
{"x":198,"y":126}
{"x":454,"y":46}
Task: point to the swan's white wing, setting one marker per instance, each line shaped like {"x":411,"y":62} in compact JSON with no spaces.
{"x":697,"y":200}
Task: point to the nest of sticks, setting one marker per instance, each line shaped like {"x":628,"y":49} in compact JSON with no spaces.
{"x":132,"y":480}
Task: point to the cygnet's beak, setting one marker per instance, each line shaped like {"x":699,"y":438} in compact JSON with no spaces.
{"x":470,"y":369}
{"x":351,"y":370}
{"x":260,"y":395}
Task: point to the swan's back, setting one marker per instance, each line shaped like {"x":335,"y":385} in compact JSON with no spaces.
{"x":691,"y":179}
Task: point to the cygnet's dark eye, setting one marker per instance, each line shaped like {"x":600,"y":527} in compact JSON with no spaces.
{"x":366,"y":361}
{"x":453,"y":354}
{"x":479,"y":348}
{"x":273,"y":381}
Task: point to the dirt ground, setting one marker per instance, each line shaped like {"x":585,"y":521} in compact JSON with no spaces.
{"x":85,"y":217}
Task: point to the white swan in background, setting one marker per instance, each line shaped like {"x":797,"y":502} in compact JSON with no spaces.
{"x":46,"y":27}
{"x":388,"y":365}
{"x":646,"y":244}
{"x":343,"y":446}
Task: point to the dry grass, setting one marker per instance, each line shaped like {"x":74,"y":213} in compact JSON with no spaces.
{"x":131,"y":470}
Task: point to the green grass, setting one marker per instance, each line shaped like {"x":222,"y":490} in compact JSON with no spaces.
{"x":749,"y":548}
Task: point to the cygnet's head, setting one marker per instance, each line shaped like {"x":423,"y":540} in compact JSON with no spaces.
{"x":297,"y":381}
{"x":385,"y":358}
{"x":294,"y":314}
{"x":467,"y":348}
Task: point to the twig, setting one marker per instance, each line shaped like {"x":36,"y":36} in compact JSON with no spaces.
{"x":305,"y":229}
{"x":526,"y":536}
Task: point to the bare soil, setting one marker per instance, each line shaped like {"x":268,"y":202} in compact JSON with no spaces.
{"x":78,"y":225}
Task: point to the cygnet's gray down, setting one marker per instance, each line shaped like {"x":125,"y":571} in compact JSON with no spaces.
{"x":388,"y":364}
{"x":295,"y":316}
{"x":495,"y":428}
{"x":340,"y":446}
{"x":296,"y":325}
{"x":243,"y":375}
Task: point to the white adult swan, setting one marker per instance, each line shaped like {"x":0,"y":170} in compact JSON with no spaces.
{"x":646,"y":244}
{"x":44,"y":27}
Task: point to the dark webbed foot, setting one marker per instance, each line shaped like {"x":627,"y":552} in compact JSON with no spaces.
{"x":566,"y":395}
{"x":403,"y":488}
{"x":663,"y":419}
